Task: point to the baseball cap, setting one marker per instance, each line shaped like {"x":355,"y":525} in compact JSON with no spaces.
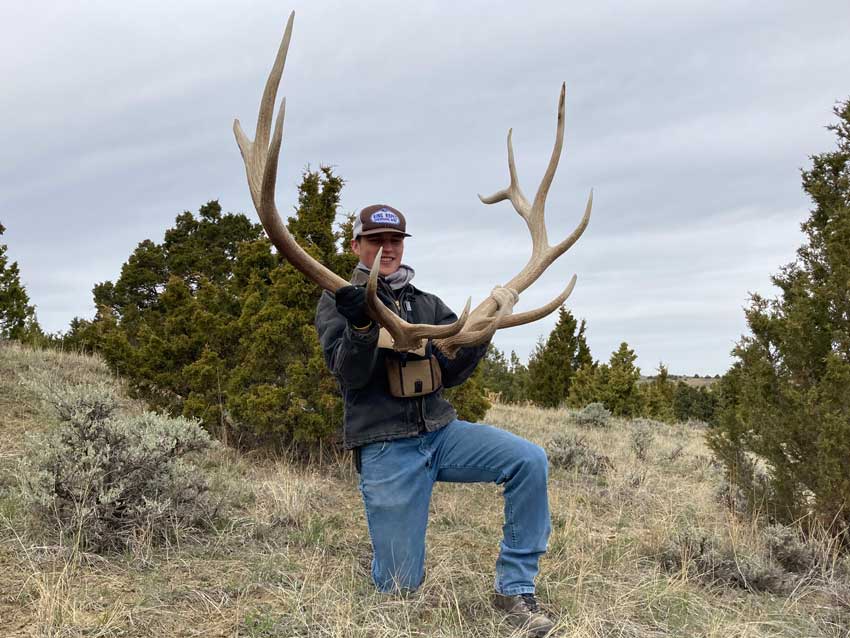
{"x":379,"y":218}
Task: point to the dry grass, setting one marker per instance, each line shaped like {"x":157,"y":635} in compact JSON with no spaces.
{"x":293,"y":558}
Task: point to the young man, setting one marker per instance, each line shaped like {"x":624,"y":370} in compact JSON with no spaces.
{"x":403,"y":443}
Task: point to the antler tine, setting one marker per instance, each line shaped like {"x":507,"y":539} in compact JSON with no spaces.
{"x":406,"y":336}
{"x":538,"y":264}
{"x":530,"y":316}
{"x":512,"y":192}
{"x":255,"y":153}
{"x":261,"y":162}
{"x":543,"y":190}
{"x":264,"y":118}
{"x":562,"y":247}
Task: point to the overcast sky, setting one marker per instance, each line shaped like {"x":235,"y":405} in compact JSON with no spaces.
{"x":690,"y":120}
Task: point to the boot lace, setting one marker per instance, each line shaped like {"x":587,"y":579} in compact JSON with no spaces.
{"x":530,"y":602}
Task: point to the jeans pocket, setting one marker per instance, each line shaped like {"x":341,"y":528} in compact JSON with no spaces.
{"x":373,"y":452}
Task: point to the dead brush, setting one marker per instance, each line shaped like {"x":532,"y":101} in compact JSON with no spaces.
{"x":700,"y":556}
{"x":816,"y":555}
{"x":790,"y":550}
{"x":641,"y":439}
{"x":675,"y":453}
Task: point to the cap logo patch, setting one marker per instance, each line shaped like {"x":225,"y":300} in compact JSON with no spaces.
{"x":385,"y":216}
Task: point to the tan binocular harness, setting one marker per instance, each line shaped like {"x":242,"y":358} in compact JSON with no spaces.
{"x":410,"y":374}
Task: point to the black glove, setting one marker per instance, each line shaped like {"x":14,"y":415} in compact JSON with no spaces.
{"x":351,"y":304}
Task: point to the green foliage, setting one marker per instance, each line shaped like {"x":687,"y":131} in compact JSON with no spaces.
{"x":621,"y":392}
{"x":101,"y":479}
{"x":553,"y":364}
{"x":508,"y":380}
{"x":17,"y":316}
{"x":78,"y":337}
{"x":587,"y":385}
{"x":785,"y":400}
{"x":468,"y":398}
{"x":614,"y":384}
{"x":694,"y":403}
{"x":495,"y":374}
{"x":518,"y":390}
{"x":212,"y":324}
{"x":657,"y":397}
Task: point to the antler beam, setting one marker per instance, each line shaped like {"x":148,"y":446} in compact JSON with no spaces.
{"x":493,"y":313}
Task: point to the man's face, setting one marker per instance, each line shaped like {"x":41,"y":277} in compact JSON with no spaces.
{"x":367,"y":248}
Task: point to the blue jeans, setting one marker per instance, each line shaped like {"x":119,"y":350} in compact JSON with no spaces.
{"x":396,"y":480}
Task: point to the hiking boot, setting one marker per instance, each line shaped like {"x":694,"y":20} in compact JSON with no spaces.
{"x":524,"y":612}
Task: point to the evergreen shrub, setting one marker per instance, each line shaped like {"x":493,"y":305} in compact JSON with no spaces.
{"x":785,"y":403}
{"x":211,"y":323}
{"x":468,"y":398}
{"x":553,"y":363}
{"x":506,"y":380}
{"x":17,"y":316}
{"x":693,"y":403}
{"x":749,"y":490}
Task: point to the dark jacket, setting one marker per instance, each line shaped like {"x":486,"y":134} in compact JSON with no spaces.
{"x":371,"y":413}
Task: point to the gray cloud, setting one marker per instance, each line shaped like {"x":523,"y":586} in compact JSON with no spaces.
{"x":690,"y":121}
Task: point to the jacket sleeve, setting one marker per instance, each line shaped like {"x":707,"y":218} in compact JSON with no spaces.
{"x":349,"y":354}
{"x":456,"y":371}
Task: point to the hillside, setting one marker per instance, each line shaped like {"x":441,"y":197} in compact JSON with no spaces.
{"x":694,"y":382}
{"x":643,"y":547}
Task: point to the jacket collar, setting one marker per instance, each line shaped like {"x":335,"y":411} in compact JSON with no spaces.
{"x":360,"y":278}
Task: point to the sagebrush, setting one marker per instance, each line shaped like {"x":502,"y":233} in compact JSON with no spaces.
{"x":572,"y":452}
{"x":101,"y":478}
{"x":594,"y":415}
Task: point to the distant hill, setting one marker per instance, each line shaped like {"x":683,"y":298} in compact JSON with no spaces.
{"x":694,"y":381}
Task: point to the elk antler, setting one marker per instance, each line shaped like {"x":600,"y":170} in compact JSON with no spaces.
{"x":495,"y":311}
{"x":261,"y":160}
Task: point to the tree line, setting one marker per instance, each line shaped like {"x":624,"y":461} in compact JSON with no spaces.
{"x":561,"y":373}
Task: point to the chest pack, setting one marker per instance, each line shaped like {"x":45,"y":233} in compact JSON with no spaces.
{"x":410,"y":374}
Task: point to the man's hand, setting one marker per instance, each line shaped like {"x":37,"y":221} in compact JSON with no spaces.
{"x":351,"y":304}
